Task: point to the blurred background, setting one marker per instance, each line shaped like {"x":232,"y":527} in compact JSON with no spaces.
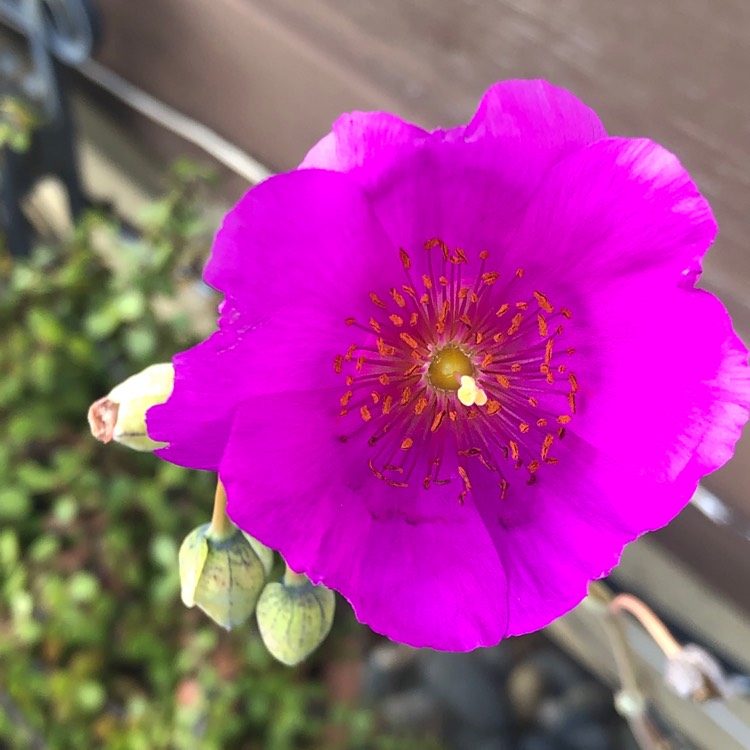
{"x":127,"y":130}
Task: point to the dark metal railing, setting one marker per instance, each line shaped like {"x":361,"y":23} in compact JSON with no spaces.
{"x":59,"y":33}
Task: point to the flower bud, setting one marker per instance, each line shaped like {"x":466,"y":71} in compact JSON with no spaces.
{"x":695,"y":674}
{"x":121,"y":415}
{"x":294,"y":617}
{"x":223,"y":574}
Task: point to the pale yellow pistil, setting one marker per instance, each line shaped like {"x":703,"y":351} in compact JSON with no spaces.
{"x":451,"y":369}
{"x":469,"y":393}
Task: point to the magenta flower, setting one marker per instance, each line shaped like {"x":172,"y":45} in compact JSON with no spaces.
{"x":457,"y":371}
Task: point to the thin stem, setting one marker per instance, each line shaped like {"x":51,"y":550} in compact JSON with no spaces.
{"x":294,"y":579}
{"x":220,"y":523}
{"x":630,"y":700}
{"x":645,"y":615}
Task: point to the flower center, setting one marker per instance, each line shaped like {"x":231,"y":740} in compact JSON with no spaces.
{"x":467,"y":371}
{"x":447,"y":365}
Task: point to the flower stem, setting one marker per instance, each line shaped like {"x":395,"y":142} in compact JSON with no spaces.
{"x":220,"y":523}
{"x":630,"y":701}
{"x":645,"y":615}
{"x":295,"y":579}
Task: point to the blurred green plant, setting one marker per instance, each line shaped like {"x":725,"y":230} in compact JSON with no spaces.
{"x":96,"y":648}
{"x":17,"y":122}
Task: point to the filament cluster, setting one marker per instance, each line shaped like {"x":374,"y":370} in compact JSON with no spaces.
{"x":459,"y":368}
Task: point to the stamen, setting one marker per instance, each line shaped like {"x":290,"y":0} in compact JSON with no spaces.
{"x":429,"y":398}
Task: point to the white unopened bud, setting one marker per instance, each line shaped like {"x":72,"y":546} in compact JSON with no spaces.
{"x":121,"y":415}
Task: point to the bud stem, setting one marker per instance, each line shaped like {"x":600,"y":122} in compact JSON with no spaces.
{"x":220,"y":523}
{"x":645,"y":615}
{"x":295,"y":579}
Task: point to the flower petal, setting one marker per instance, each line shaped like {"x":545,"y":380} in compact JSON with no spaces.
{"x":469,"y":195}
{"x":295,"y":257}
{"x":660,"y":371}
{"x":535,"y":111}
{"x":416,"y":566}
{"x":358,"y":137}
{"x":664,"y":379}
{"x":570,"y":527}
{"x":616,"y":208}
{"x":299,"y":236}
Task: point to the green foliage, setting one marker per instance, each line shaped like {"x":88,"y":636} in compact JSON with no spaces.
{"x":95,"y":646}
{"x":17,"y":122}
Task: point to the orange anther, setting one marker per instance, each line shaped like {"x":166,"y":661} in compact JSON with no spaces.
{"x":572,"y":402}
{"x":493,"y":407}
{"x":374,"y":297}
{"x":549,"y":438}
{"x":542,"y":325}
{"x":398,"y":298}
{"x":543,"y":302}
{"x":409,"y":340}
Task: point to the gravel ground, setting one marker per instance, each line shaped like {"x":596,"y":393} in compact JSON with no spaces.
{"x":524,"y":694}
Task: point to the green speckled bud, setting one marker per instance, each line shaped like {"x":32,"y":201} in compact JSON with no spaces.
{"x":223,"y":574}
{"x":121,"y":415}
{"x":294,"y":617}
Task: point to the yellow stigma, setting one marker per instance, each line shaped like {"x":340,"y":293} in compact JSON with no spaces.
{"x":448,"y":367}
{"x":469,"y":393}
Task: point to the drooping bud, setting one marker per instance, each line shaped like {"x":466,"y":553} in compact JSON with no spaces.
{"x":695,"y":674}
{"x":121,"y":415}
{"x":223,"y":573}
{"x":294,"y":617}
